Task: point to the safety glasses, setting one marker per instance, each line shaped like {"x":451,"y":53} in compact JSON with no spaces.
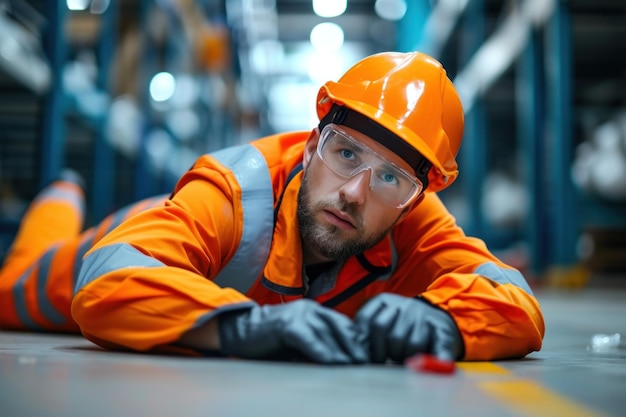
{"x":347,"y":157}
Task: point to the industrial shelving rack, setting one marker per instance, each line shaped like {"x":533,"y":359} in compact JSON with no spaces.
{"x":47,"y":123}
{"x":529,"y":109}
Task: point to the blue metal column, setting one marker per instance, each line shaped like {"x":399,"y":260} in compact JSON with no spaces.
{"x":53,"y":127}
{"x":148,"y":67}
{"x":104,"y":155}
{"x":411,"y":26}
{"x":564,"y":226}
{"x":530,"y":125}
{"x":473,"y":154}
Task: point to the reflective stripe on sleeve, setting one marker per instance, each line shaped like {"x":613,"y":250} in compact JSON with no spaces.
{"x":116,"y":219}
{"x":503,"y":276}
{"x":112,"y":258}
{"x":257,"y":199}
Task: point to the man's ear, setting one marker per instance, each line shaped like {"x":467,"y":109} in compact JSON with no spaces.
{"x":310,"y":147}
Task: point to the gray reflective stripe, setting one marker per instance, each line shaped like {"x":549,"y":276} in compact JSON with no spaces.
{"x":45,"y":306}
{"x":54,"y":193}
{"x":78,"y":260}
{"x":257,"y":198}
{"x":503,"y":275}
{"x":19,"y":295}
{"x":112,"y":258}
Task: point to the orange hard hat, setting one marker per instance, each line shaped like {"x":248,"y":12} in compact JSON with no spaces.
{"x":401,"y":99}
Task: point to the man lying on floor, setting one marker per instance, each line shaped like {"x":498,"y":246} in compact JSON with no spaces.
{"x":330,"y":246}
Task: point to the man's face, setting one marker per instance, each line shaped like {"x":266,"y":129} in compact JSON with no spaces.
{"x":340,"y":217}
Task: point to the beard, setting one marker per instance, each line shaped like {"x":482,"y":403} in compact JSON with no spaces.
{"x":327,"y":239}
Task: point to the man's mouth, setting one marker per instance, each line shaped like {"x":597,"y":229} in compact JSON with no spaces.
{"x":340,"y":219}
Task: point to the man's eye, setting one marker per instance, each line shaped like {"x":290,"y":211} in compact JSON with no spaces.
{"x":346,"y":153}
{"x":389,"y":178}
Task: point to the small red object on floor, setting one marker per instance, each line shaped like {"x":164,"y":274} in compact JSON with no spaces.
{"x":423,"y":362}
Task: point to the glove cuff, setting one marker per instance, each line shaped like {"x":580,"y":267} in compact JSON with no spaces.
{"x":228,"y":326}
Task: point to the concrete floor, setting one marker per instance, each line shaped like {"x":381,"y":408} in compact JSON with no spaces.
{"x":56,"y":375}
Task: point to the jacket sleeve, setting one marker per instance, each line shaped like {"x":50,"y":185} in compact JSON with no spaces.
{"x":491,"y":302}
{"x":145,"y":283}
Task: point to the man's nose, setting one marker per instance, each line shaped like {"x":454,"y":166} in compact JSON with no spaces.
{"x":355,"y":189}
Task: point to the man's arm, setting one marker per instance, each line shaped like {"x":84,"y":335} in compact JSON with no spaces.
{"x":491,"y":302}
{"x":149,"y":280}
{"x":297,"y":330}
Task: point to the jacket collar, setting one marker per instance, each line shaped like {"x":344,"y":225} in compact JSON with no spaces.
{"x":283,"y":270}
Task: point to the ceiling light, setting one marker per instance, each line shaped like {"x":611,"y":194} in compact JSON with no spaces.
{"x":162,"y":86}
{"x":329,"y":8}
{"x":267,"y":56}
{"x":327,"y":37}
{"x":390,"y":9}
{"x":77,"y":4}
{"x":99,"y":6}
{"x":325,"y":66}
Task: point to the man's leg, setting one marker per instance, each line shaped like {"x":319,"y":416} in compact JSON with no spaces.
{"x":47,"y":239}
{"x":38,"y":276}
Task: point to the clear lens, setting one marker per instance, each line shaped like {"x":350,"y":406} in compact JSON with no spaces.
{"x":347,"y":157}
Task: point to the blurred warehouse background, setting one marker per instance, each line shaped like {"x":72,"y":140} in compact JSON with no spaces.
{"x":130,"y":92}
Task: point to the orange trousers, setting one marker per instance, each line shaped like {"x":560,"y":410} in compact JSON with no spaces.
{"x":38,"y":274}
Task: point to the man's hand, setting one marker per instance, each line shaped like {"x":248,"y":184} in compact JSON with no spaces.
{"x":396,"y":327}
{"x":297,"y":329}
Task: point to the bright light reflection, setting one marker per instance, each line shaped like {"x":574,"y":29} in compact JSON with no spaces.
{"x":390,"y":9}
{"x":158,"y":147}
{"x":267,"y":56}
{"x":329,"y":8}
{"x":99,"y":6}
{"x":187,"y":91}
{"x":327,"y":37}
{"x":77,"y":4}
{"x":292,"y":105}
{"x":324,"y":67}
{"x":162,"y":86}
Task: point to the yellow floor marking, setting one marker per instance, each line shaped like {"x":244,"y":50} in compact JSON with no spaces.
{"x":530,"y":399}
{"x":482,"y":367}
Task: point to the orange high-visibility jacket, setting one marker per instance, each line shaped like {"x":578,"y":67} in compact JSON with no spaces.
{"x":229,"y":236}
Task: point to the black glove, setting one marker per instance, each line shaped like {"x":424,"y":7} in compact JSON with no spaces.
{"x":295,"y":330}
{"x":396,"y":327}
